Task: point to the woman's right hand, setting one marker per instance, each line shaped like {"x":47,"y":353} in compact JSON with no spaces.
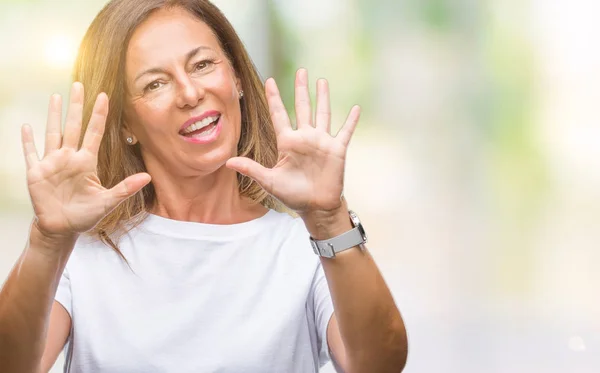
{"x":65,"y":191}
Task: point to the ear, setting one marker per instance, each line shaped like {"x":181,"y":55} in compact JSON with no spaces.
{"x":238,"y":84}
{"x":128,"y":134}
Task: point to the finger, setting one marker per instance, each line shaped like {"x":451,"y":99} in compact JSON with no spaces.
{"x":323,"y":116}
{"x":74,"y":117}
{"x":302,"y":99}
{"x":125,"y":189}
{"x":53,"y":130}
{"x":345,"y":133}
{"x":95,"y":130}
{"x":252,"y":169}
{"x":279,"y":116}
{"x":29,"y":150}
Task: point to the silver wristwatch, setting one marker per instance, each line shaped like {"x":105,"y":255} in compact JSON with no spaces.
{"x":354,"y":237}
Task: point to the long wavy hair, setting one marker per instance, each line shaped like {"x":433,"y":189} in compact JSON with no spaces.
{"x":100,"y":66}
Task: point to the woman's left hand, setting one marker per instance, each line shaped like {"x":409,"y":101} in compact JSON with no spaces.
{"x":309,"y":174}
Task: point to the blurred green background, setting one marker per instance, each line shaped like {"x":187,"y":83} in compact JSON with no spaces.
{"x":475,"y":167}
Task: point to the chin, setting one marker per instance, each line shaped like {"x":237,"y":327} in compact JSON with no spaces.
{"x":212,"y":162}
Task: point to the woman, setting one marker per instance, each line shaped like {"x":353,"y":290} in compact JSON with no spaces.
{"x":188,"y":263}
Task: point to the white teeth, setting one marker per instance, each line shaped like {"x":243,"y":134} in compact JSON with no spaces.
{"x":201,"y":124}
{"x":206,"y":133}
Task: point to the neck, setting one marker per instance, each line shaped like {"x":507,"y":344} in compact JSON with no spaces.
{"x":212,"y":198}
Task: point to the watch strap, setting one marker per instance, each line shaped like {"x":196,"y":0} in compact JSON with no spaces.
{"x":328,"y":248}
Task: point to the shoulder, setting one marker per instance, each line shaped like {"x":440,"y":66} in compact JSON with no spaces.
{"x":283,"y":218}
{"x":291,"y":238}
{"x":88,"y":242}
{"x":288,"y":226}
{"x":89,"y":249}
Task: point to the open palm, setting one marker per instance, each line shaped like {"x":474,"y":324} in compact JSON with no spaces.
{"x":66,"y":194}
{"x":309,"y":174}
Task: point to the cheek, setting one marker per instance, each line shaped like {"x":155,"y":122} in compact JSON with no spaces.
{"x":157,"y":106}
{"x":151,"y":115}
{"x":148,"y":120}
{"x":222,"y":83}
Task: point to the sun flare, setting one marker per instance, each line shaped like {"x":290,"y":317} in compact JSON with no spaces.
{"x":60,"y":50}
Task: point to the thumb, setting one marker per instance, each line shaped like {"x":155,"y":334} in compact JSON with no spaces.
{"x":252,"y":169}
{"x":125,"y":189}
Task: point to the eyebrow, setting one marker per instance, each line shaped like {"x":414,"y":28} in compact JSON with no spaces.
{"x":157,"y":70}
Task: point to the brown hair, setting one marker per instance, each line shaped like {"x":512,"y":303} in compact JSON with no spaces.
{"x":100,"y":66}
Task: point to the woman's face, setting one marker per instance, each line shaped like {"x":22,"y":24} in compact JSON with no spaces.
{"x":183,"y":101}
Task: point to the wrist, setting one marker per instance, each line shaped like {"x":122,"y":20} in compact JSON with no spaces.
{"x":49,"y":244}
{"x":323,"y":225}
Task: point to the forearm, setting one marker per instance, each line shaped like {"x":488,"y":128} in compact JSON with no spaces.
{"x":26,"y":300}
{"x":369,"y":321}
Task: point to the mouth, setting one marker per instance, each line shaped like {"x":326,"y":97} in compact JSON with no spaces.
{"x":201,"y":128}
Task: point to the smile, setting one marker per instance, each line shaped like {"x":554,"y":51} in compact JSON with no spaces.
{"x":203,"y":129}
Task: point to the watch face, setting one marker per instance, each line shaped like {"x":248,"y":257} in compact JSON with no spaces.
{"x":357,"y":224}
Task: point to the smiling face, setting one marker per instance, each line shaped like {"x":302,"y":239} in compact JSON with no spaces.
{"x":183,"y":103}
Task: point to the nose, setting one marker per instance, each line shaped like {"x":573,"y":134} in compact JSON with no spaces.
{"x":189,"y":92}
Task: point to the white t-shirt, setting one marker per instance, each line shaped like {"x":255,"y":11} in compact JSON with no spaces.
{"x":249,"y":297}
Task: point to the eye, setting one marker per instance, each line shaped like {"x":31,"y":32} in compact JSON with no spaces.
{"x":153,"y":86}
{"x":202,"y":65}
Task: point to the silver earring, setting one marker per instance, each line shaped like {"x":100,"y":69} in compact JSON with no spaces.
{"x":241,"y":94}
{"x":130,"y":140}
